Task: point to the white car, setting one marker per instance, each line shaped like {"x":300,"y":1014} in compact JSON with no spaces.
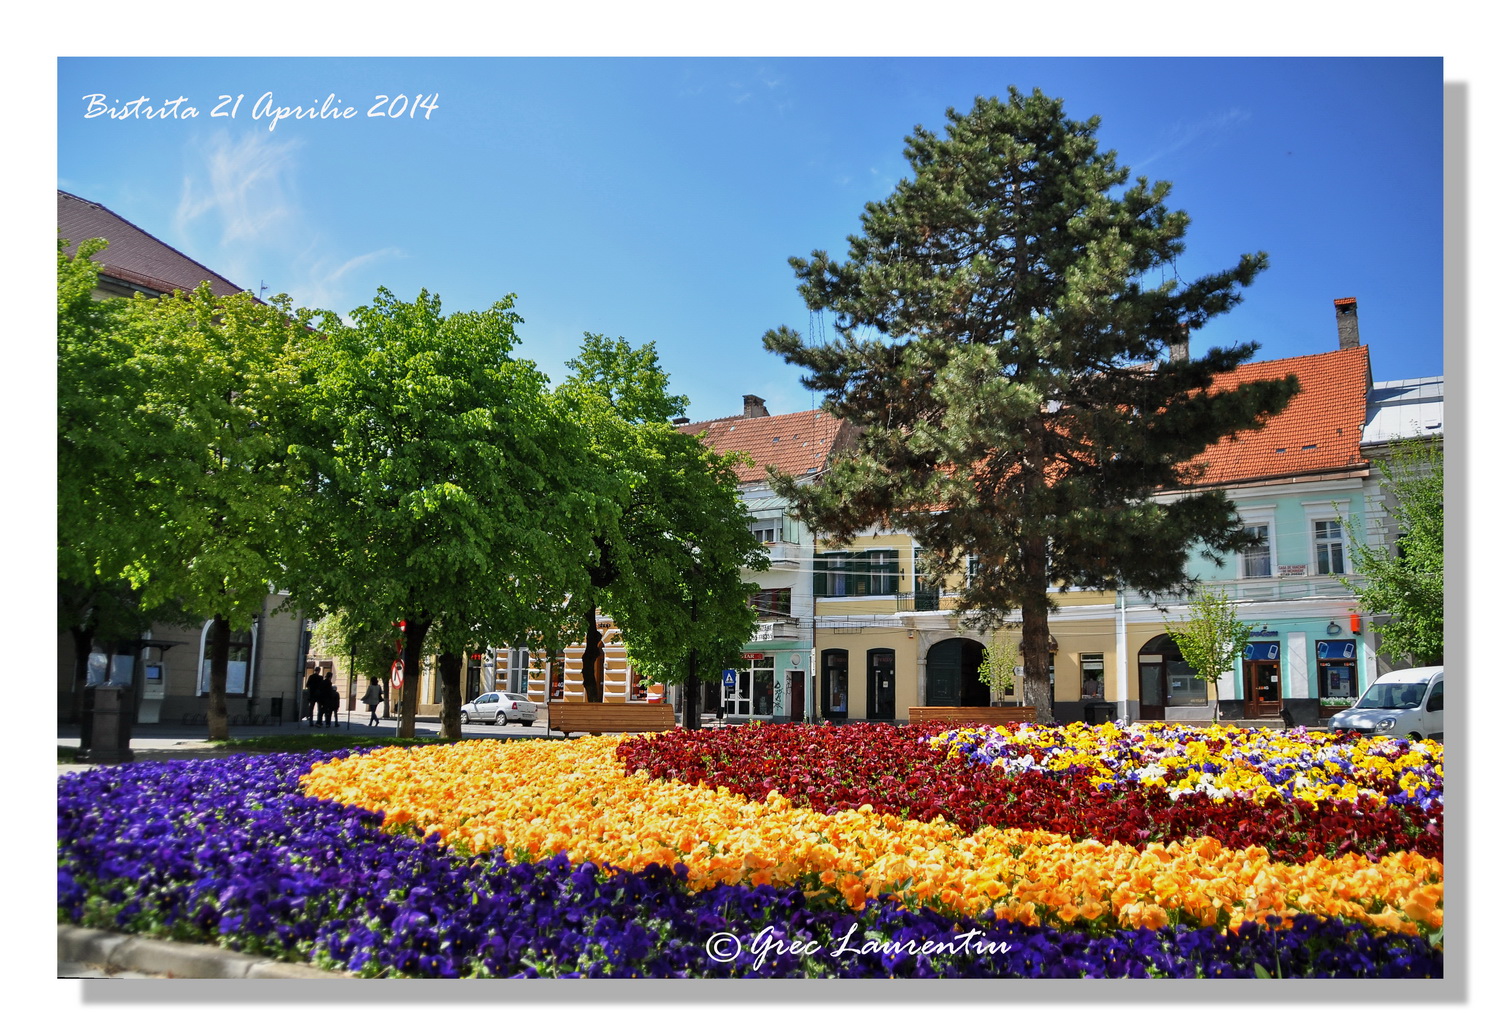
{"x":501,"y":708}
{"x":1403,"y":703}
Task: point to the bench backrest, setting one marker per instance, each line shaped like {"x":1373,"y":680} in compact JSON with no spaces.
{"x":610,"y":716}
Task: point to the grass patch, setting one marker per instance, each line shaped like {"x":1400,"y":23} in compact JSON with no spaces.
{"x":323,"y":742}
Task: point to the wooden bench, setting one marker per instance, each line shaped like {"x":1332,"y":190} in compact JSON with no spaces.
{"x":973,"y":716}
{"x":588,"y":717}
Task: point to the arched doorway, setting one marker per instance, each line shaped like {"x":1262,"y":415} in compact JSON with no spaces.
{"x":835,"y":684}
{"x":1166,"y":680}
{"x":953,"y":674}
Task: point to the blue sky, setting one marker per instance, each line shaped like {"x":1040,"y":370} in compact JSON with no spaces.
{"x":657,"y":199}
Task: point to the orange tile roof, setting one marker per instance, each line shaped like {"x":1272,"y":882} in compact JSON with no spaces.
{"x":798,"y":444}
{"x":1319,"y":431}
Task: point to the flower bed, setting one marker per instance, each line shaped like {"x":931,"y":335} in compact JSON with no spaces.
{"x":549,"y":858}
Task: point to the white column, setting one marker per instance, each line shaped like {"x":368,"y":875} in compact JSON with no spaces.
{"x":1119,"y":689}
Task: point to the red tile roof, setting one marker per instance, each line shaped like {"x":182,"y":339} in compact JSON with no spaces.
{"x":133,"y":256}
{"x":1319,"y":431}
{"x":798,"y":444}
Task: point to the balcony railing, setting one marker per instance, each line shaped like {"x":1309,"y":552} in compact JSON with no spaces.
{"x":920,"y":601}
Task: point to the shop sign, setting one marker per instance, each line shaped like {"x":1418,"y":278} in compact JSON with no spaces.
{"x":753,"y":656}
{"x":1292,"y":570}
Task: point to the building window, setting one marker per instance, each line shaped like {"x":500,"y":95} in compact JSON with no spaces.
{"x":1255,"y":562}
{"x":772,"y":605}
{"x":518,"y":671}
{"x":767,"y":530}
{"x":239,"y":679}
{"x":871,"y":573}
{"x":1328,"y":546}
{"x":882,"y":571}
{"x":1093,"y":676}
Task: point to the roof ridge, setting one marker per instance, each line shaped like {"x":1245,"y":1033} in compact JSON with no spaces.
{"x":148,"y":234}
{"x":818,"y":411}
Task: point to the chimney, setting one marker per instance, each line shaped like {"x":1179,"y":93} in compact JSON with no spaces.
{"x":1347,"y":313}
{"x":1177,"y":346}
{"x":756,"y":407}
{"x":676,"y":421}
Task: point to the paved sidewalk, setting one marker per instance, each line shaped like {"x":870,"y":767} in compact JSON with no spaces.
{"x":89,"y":953}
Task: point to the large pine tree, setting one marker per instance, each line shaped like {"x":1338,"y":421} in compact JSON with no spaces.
{"x":1002,"y":336}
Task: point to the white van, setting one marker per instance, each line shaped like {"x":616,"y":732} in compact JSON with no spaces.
{"x":1403,"y":703}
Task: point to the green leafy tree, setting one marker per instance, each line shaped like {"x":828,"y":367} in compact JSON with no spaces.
{"x":174,"y":418}
{"x":97,"y":447}
{"x":670,"y":534}
{"x":1003,"y":329}
{"x":369,"y":649}
{"x":98,"y":444}
{"x":443,"y":496}
{"x":1213,"y":637}
{"x":997,"y":666}
{"x":1404,"y":580}
{"x":217,"y":478}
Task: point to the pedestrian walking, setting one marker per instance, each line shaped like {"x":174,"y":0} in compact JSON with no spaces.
{"x":373,"y":697}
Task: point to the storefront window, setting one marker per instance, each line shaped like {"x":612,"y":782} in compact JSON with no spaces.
{"x":1336,"y":669}
{"x":835,"y":682}
{"x":754,"y":690}
{"x":1093,"y":677}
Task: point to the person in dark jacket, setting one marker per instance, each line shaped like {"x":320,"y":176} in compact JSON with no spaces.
{"x":313,"y":691}
{"x":328,"y":703}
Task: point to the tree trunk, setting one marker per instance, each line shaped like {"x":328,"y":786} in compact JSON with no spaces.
{"x":593,"y":653}
{"x":411,"y":668}
{"x":1036,"y":690}
{"x":692,"y":717}
{"x":218,"y":679}
{"x":450,"y":671}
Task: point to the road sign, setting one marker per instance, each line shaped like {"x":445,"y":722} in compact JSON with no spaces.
{"x":729,"y":679}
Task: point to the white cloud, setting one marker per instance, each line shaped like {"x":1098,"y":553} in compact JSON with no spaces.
{"x":322,"y":286}
{"x":1207,"y":132}
{"x":244,"y":187}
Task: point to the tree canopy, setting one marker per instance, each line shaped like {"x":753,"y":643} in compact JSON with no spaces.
{"x":1403,"y":580}
{"x":443,"y":496}
{"x":177,"y":416}
{"x":670,"y":534}
{"x":1002,"y":337}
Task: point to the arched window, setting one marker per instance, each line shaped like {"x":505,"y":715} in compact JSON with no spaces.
{"x":241,"y":676}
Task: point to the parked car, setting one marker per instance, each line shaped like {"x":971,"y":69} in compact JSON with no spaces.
{"x":501,"y":708}
{"x":1403,"y":703}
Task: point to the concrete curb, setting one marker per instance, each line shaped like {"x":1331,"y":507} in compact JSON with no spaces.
{"x":172,"y":959}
